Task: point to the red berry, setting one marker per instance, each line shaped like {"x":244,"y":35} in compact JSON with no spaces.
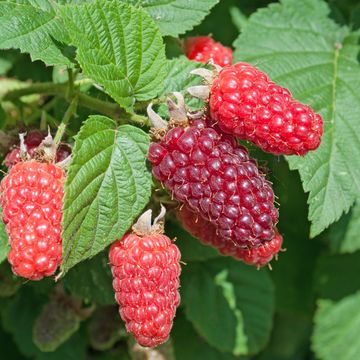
{"x":247,"y":104}
{"x":32,"y":142}
{"x":218,"y":180}
{"x":31,"y":197}
{"x":207,"y":234}
{"x":262,"y":255}
{"x":204,"y":48}
{"x":146,"y":274}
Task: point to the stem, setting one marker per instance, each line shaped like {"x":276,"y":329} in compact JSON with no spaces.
{"x":67,"y":116}
{"x":110,"y":109}
{"x":70,"y":89}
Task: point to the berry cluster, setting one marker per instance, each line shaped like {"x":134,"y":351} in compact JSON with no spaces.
{"x":204,"y":48}
{"x":31,"y":198}
{"x":146,"y":270}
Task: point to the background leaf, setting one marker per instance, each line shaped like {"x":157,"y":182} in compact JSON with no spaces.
{"x":174,"y":17}
{"x":119,"y":47}
{"x":336,"y":330}
{"x":230,"y":304}
{"x":107,"y":186}
{"x":38,"y":30}
{"x":299,"y":47}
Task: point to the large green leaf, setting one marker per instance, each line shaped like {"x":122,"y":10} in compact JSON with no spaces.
{"x":119,"y":47}
{"x":230,"y":304}
{"x":107,"y":186}
{"x":337,"y":327}
{"x":33,"y":27}
{"x":175,"y":17}
{"x":300,"y":47}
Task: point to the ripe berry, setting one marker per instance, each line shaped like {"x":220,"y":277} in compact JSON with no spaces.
{"x":207,"y":234}
{"x":31,"y":197}
{"x":218,"y":180}
{"x":31,"y":142}
{"x":247,"y":104}
{"x":204,"y":48}
{"x":146,"y":270}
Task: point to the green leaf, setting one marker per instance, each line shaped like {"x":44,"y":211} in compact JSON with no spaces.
{"x":4,"y":240}
{"x":344,"y":235}
{"x":337,"y":275}
{"x":337,"y":326}
{"x":92,"y":280}
{"x":38,"y":30}
{"x":188,"y":344}
{"x":175,"y":17}
{"x":301,"y":48}
{"x":107,"y":186}
{"x":230,"y":304}
{"x":119,"y":47}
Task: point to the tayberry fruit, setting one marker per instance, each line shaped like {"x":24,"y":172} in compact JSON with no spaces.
{"x":247,"y":104}
{"x":145,"y":267}
{"x":31,"y":198}
{"x":204,"y":48}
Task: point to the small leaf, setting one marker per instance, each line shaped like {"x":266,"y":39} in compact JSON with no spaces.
{"x":336,"y":330}
{"x":119,"y":47}
{"x":301,"y":48}
{"x":175,"y":17}
{"x":36,"y":28}
{"x":108,"y":185}
{"x":230,"y":304}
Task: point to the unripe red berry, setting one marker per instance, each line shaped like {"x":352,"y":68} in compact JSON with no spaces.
{"x":218,"y":180}
{"x":146,"y":274}
{"x":247,"y":104}
{"x":31,"y":198}
{"x":204,"y":48}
